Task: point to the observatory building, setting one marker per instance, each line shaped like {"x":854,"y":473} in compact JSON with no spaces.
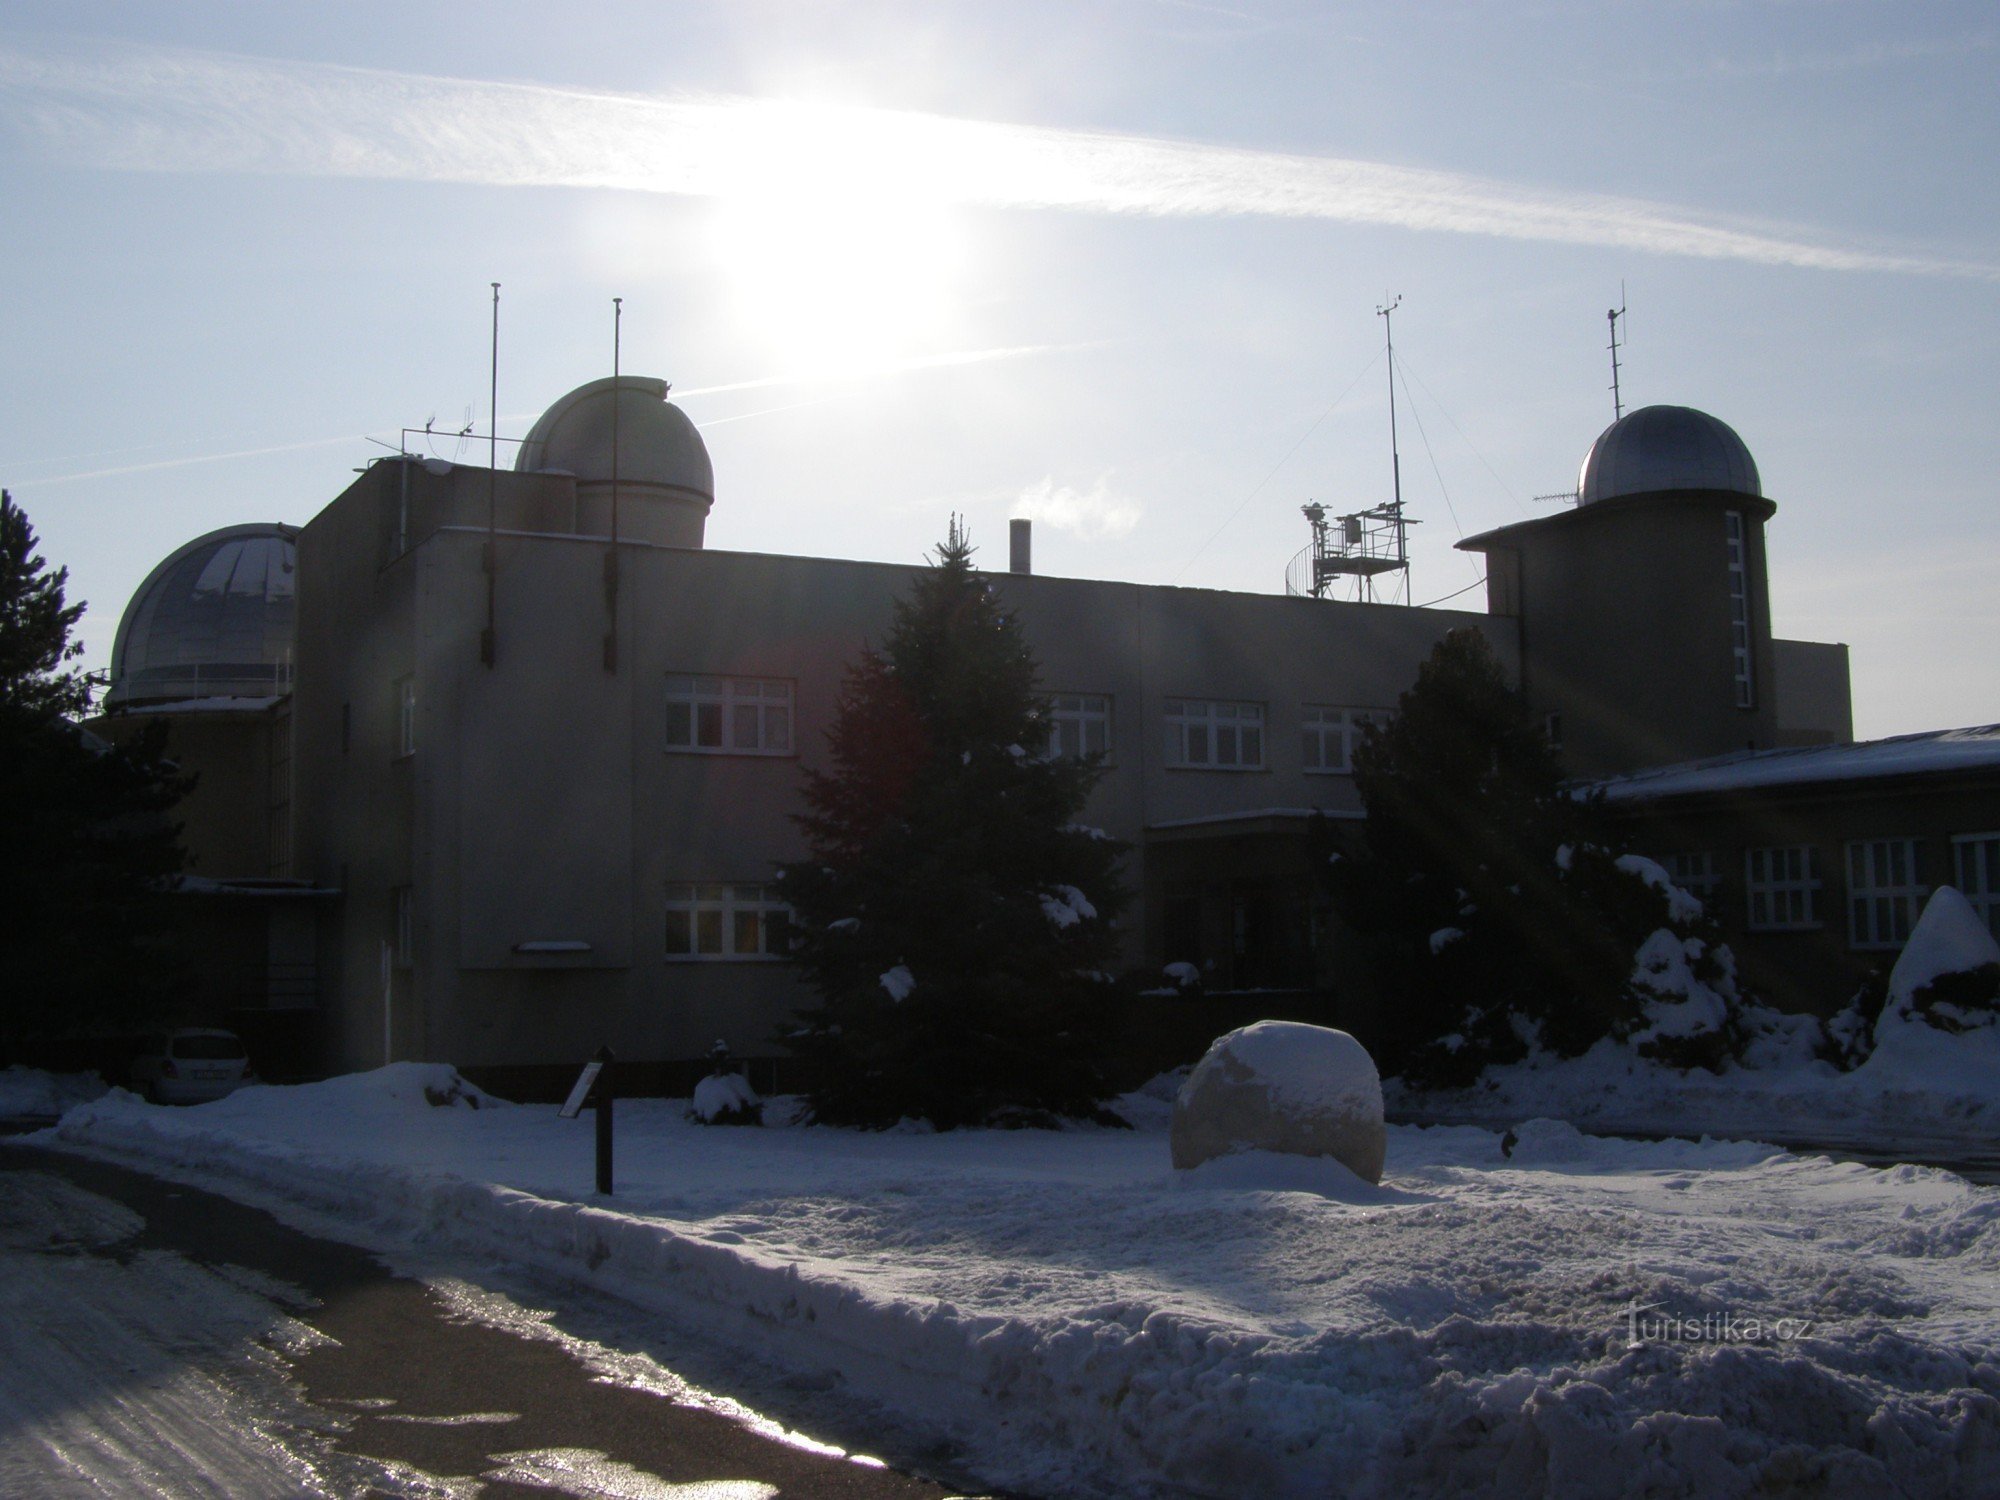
{"x":502,"y":759}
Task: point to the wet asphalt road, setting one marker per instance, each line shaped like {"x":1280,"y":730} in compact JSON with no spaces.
{"x":398,"y":1360}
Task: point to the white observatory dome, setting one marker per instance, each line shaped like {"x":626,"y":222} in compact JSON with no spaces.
{"x":1666,"y":448}
{"x":212,"y":621}
{"x":658,"y":446}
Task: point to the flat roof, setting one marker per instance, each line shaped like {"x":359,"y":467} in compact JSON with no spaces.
{"x":1932,"y":752}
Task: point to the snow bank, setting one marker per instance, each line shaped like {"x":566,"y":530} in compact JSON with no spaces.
{"x":28,"y":1093}
{"x":1078,"y":1319}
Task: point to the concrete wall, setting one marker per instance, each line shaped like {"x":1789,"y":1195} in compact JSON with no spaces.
{"x":1815,"y":704}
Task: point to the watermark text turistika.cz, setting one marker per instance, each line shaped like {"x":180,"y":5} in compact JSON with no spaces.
{"x":1645,"y":1324}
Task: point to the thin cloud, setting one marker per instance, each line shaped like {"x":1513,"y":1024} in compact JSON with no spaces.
{"x":955,"y":359}
{"x":150,"y":110}
{"x":1096,"y":512}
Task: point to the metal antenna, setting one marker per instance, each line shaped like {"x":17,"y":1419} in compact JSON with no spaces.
{"x":611,"y":559}
{"x":486,"y":636}
{"x":1395,"y":454}
{"x":1613,"y":315}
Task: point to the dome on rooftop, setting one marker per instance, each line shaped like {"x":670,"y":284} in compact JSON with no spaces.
{"x":1666,"y":448}
{"x":212,"y":621}
{"x":657,"y":446}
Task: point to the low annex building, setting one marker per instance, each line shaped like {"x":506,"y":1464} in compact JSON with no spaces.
{"x":496,"y":764}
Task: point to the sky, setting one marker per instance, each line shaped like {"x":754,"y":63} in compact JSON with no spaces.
{"x":1115,"y":266}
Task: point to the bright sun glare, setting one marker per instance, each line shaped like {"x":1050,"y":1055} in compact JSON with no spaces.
{"x":831,"y":282}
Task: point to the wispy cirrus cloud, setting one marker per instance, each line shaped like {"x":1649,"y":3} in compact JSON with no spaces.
{"x":176,"y":111}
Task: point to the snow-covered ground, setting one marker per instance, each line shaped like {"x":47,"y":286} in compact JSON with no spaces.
{"x":1583,"y":1317}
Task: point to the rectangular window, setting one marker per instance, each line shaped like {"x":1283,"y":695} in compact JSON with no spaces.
{"x":1739,"y":611}
{"x":729,"y":715}
{"x":1079,"y":725}
{"x":406,"y":716}
{"x":403,"y":925}
{"x":1215,"y":736}
{"x":1976,"y":857}
{"x":727,"y":921}
{"x":1696,"y":874}
{"x":1780,"y":886}
{"x":1331,"y":735}
{"x":1883,"y":897}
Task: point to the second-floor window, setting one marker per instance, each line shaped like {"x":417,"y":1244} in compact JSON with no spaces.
{"x":1883,"y":897}
{"x":1079,"y":725}
{"x":1331,"y":735}
{"x":1215,"y":736}
{"x":729,"y":715}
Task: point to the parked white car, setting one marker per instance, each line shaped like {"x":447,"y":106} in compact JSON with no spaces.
{"x":190,"y":1066}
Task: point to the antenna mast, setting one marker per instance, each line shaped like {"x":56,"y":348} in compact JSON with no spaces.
{"x":1612,"y":316}
{"x":486,"y":636}
{"x":611,"y":557}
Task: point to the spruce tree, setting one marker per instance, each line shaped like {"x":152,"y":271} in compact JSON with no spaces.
{"x":954,"y":918}
{"x":87,"y":849}
{"x":1462,"y":901}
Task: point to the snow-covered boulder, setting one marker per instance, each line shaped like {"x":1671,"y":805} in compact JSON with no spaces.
{"x":1287,"y":1087}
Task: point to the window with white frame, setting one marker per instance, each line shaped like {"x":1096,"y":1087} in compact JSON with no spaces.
{"x":1976,"y":861}
{"x":1696,"y":874}
{"x":406,"y":716}
{"x":729,"y":715}
{"x":1739,"y":611}
{"x":1331,"y":735}
{"x":1883,"y":897}
{"x":1780,"y":887}
{"x":727,"y":921}
{"x":1079,"y":725}
{"x":1208,"y":735}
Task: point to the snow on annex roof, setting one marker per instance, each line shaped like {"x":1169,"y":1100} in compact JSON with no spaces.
{"x":1928,"y":753}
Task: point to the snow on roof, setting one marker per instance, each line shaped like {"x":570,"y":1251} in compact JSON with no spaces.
{"x":1930,"y":753}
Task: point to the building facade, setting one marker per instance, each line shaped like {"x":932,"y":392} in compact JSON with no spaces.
{"x":541,"y":747}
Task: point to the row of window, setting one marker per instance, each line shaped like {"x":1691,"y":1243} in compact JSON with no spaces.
{"x":1783,"y":887}
{"x":756,"y":716}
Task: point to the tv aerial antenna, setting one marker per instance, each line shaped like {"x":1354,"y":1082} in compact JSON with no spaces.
{"x":1612,"y":317}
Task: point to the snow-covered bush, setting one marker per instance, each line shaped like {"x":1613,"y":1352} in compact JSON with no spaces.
{"x":726,"y":1099}
{"x":1946,"y":982}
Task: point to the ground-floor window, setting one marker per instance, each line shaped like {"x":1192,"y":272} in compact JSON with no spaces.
{"x":1883,"y":897}
{"x":727,"y":921}
{"x":1781,"y":887}
{"x":1977,"y":856}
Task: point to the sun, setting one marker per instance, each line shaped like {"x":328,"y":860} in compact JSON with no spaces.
{"x":831,"y":278}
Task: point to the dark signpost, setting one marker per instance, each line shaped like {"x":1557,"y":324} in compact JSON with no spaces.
{"x":593,"y":1091}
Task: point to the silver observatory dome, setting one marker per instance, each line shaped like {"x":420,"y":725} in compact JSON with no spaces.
{"x":213,"y":621}
{"x":1666,"y":448}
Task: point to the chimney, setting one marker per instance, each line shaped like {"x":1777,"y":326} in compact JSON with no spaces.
{"x":1017,"y":547}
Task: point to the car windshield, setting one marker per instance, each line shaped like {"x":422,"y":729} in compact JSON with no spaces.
{"x":207,"y":1048}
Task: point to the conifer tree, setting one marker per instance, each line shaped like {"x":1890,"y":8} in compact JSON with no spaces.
{"x":954,"y":918}
{"x":1461,"y":898}
{"x":86,"y":844}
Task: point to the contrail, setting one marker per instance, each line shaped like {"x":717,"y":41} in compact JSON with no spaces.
{"x":953,"y":360}
{"x":182,"y":111}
